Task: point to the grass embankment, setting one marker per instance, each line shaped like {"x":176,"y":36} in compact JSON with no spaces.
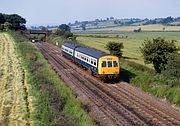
{"x":54,"y":103}
{"x":54,"y":39}
{"x":133,"y":69}
{"x":14,"y":96}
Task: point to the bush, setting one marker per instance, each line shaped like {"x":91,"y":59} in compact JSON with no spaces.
{"x":115,"y":48}
{"x":173,"y":67}
{"x":157,"y":51}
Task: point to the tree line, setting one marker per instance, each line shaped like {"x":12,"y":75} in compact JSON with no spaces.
{"x":12,"y":22}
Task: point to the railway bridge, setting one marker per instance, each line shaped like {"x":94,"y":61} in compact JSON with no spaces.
{"x":47,"y":33}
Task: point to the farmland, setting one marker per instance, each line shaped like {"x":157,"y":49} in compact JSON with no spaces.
{"x":145,"y":28}
{"x":131,"y":41}
{"x":14,"y":99}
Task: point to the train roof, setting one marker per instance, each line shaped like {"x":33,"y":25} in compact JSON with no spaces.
{"x":91,"y":52}
{"x":70,"y":45}
{"x":88,"y":51}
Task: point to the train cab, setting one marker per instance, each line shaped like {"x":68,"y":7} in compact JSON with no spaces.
{"x":108,"y":65}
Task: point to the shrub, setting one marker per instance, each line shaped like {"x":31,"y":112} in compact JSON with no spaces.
{"x":157,"y":51}
{"x":173,"y":67}
{"x":115,"y":48}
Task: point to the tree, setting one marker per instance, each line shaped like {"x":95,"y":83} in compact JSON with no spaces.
{"x":115,"y":48}
{"x":157,"y":51}
{"x":16,"y":21}
{"x":173,"y":67}
{"x":83,"y":26}
{"x":139,"y":30}
{"x":2,"y":19}
{"x":64,"y":28}
{"x":58,"y":32}
{"x":167,"y":20}
{"x":7,"y":26}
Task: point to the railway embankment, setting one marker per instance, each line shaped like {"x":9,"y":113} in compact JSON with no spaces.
{"x":53,"y":102}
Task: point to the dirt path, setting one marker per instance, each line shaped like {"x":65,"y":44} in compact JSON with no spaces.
{"x":14,"y":105}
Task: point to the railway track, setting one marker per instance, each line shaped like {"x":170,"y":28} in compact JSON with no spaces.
{"x":110,"y":104}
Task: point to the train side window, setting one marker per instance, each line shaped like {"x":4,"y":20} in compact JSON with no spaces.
{"x":109,"y":63}
{"x":115,"y":63}
{"x":95,"y":63}
{"x":91,"y":61}
{"x":103,"y":63}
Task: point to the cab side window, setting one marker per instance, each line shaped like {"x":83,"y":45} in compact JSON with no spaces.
{"x":109,"y":63}
{"x":103,"y":63}
{"x":115,"y":63}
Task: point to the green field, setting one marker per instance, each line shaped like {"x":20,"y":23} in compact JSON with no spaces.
{"x":131,"y":51}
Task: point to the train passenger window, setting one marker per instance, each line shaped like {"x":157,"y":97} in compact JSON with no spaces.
{"x":103,"y":63}
{"x":109,"y":63}
{"x":95,"y":63}
{"x":115,"y":63}
{"x":91,"y":61}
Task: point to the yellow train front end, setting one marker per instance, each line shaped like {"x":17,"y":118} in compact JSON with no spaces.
{"x":109,"y":66}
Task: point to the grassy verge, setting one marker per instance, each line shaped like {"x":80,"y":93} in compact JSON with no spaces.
{"x":145,"y":78}
{"x":53,"y":39}
{"x":40,"y":75}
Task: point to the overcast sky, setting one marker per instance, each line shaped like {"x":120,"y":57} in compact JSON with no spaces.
{"x":43,"y":12}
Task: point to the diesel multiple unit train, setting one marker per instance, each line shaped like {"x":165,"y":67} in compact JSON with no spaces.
{"x":98,"y":62}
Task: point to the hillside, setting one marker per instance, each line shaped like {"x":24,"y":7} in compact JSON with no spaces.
{"x":112,"y":22}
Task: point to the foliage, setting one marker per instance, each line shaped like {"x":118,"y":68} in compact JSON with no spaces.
{"x":7,"y":26}
{"x":167,"y":20}
{"x":2,"y":18}
{"x":17,"y":22}
{"x":67,"y":35}
{"x":59,"y":37}
{"x":115,"y":48}
{"x":173,"y":67}
{"x":138,"y":30}
{"x":40,"y":73}
{"x":58,"y":32}
{"x":157,"y":51}
{"x":156,"y":84}
{"x":83,"y":26}
{"x":64,"y":28}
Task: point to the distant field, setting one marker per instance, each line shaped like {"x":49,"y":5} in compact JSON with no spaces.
{"x":175,"y":23}
{"x":132,"y":43}
{"x":145,"y":28}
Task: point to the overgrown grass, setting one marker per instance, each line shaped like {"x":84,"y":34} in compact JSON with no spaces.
{"x":40,"y":73}
{"x":145,"y":78}
{"x":54,"y":39}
